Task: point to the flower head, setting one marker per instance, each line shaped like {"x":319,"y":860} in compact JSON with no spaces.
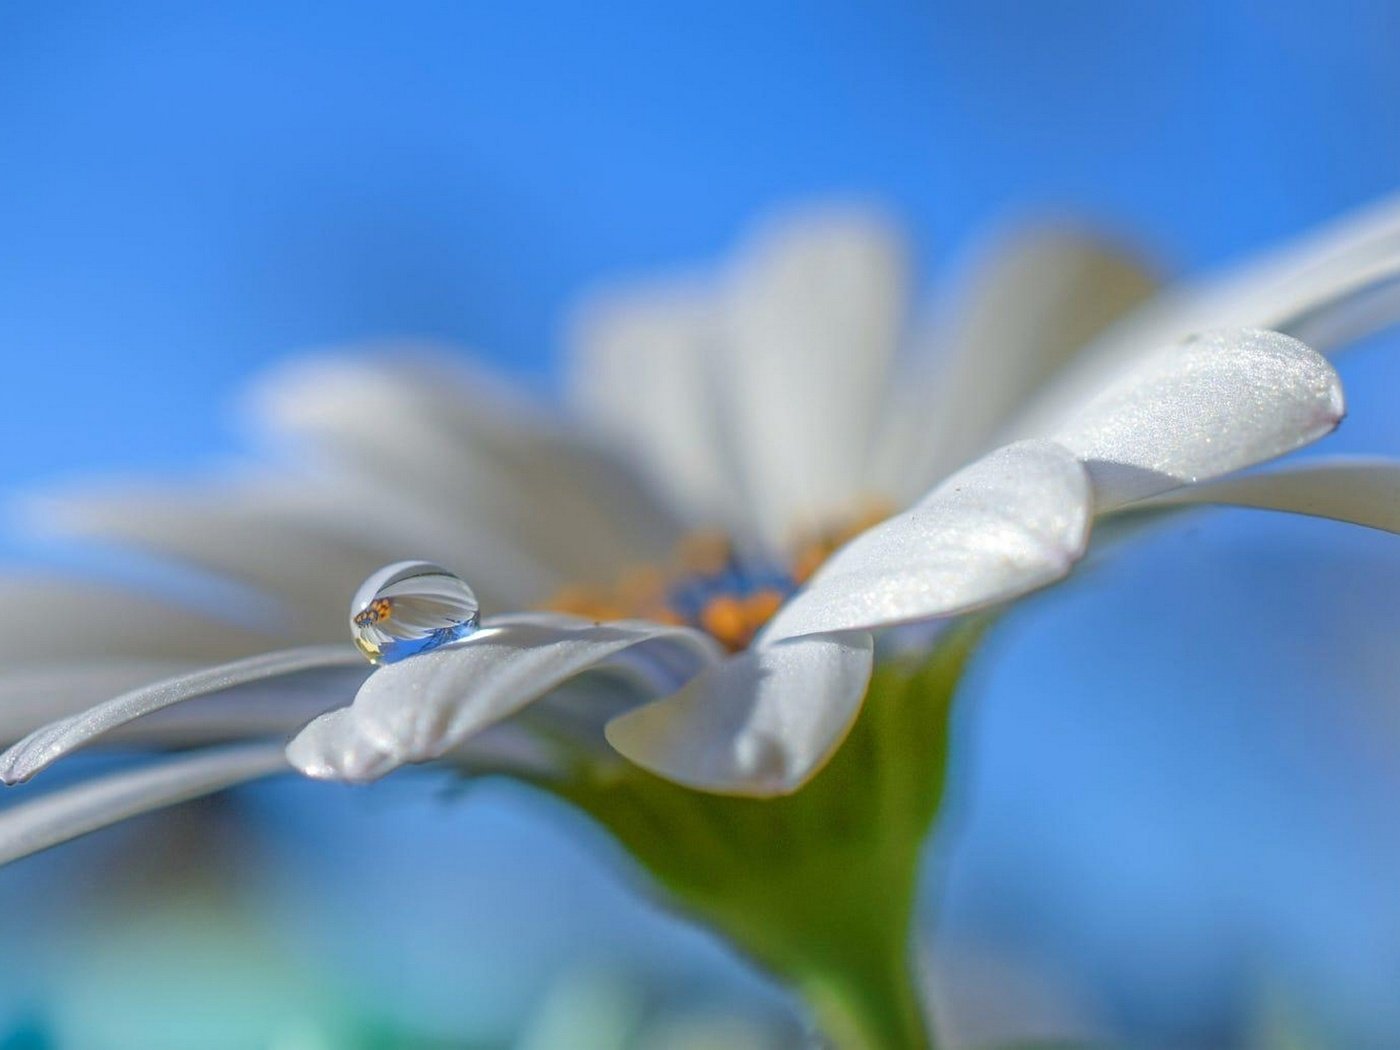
{"x":690,"y":569}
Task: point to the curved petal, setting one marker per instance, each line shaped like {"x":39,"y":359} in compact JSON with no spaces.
{"x":1034,"y":300}
{"x":762,"y":723}
{"x":1358,"y":491}
{"x":1009,"y":523}
{"x":1327,"y":288}
{"x":419,"y":709}
{"x":1208,"y":406}
{"x":65,"y":814}
{"x":48,"y":744}
{"x":433,"y":436}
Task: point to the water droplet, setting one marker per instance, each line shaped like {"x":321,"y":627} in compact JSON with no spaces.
{"x":411,"y":607}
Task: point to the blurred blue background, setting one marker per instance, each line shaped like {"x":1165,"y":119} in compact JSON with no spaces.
{"x":1179,"y":779}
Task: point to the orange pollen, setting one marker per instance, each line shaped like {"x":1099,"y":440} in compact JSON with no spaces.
{"x":711,"y":585}
{"x":377,"y":610}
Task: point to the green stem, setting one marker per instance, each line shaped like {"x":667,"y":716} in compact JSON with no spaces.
{"x":872,"y":1008}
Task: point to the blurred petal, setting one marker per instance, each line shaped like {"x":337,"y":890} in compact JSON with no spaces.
{"x":316,"y":540}
{"x":643,"y":373}
{"x":1036,"y":300}
{"x":46,"y":745}
{"x":419,"y":709}
{"x":65,"y":814}
{"x":1013,"y":521}
{"x":62,"y":620}
{"x":1208,"y":406}
{"x":423,"y":435}
{"x":1358,"y":491}
{"x":762,"y":723}
{"x":815,"y":312}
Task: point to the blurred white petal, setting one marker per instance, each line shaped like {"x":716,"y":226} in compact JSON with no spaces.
{"x":419,"y":709}
{"x":1013,"y":521}
{"x":1037,"y":298}
{"x":61,"y":620}
{"x":31,"y":826}
{"x":1358,"y":491}
{"x":1208,"y":406}
{"x":815,"y":310}
{"x":473,"y":453}
{"x":643,"y":370}
{"x":761,"y":723}
{"x":46,"y":745}
{"x":307,"y":543}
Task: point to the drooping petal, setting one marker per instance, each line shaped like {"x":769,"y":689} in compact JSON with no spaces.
{"x":814,"y":311}
{"x":1009,"y":523}
{"x":762,"y":723}
{"x":31,"y":826}
{"x":419,"y":709}
{"x":1035,"y":300}
{"x":31,"y":696}
{"x":46,"y":745}
{"x":1355,"y":490}
{"x":1210,"y":405}
{"x":474,"y":453}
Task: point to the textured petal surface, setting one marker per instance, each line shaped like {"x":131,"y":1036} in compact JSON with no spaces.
{"x":1327,"y":288}
{"x":422,"y":433}
{"x":31,"y":826}
{"x":1027,"y":308}
{"x":1208,"y":406}
{"x":46,"y":745}
{"x":761,"y":723}
{"x":1358,"y":491}
{"x":1013,"y":521}
{"x":419,"y":709}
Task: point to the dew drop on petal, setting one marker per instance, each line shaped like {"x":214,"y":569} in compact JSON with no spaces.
{"x":411,"y":607}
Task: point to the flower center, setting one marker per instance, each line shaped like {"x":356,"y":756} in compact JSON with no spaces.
{"x":712,"y":584}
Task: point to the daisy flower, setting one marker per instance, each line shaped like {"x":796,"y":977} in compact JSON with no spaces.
{"x":664,"y":606}
{"x":695,"y":563}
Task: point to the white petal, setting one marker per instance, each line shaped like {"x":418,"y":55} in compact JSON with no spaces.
{"x":1036,"y":299}
{"x":29,"y":827}
{"x":1213,"y":404}
{"x":643,"y":371}
{"x":475,"y":453}
{"x":31,"y":696}
{"x":1013,"y":521}
{"x":1358,"y":491}
{"x":62,"y":620}
{"x":46,"y":745}
{"x":814,"y":314}
{"x":308,"y":543}
{"x":419,"y":709}
{"x":1327,"y":288}
{"x":762,"y":723}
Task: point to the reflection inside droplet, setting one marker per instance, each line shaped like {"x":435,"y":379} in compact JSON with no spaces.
{"x":411,"y":607}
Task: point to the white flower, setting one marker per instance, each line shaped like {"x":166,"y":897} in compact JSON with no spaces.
{"x":770,"y":401}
